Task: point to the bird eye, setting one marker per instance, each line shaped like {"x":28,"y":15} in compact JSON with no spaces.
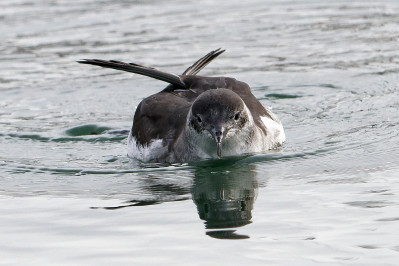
{"x":199,"y":119}
{"x":237,"y":116}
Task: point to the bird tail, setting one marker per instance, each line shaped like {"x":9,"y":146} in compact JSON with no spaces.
{"x":202,"y":62}
{"x":138,"y":69}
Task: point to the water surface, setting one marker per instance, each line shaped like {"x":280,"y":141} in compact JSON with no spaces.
{"x":70,"y":196}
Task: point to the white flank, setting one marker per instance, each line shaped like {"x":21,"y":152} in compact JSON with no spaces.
{"x":275,"y":130}
{"x":153,"y":151}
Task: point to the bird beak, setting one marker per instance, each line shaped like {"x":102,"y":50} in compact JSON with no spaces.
{"x":217,"y":133}
{"x":219,"y":149}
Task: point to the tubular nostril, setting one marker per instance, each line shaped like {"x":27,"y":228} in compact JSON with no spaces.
{"x":217,"y":133}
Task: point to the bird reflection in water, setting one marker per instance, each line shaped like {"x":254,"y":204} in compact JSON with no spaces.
{"x":225,"y":197}
{"x":223,"y":191}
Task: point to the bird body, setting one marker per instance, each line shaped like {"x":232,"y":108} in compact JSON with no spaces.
{"x":185,"y":120}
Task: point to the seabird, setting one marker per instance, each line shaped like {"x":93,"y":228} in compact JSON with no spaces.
{"x":197,"y":117}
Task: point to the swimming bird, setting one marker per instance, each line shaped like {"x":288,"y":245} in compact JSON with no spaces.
{"x":197,"y":117}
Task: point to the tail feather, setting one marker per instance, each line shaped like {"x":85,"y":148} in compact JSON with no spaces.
{"x":202,"y":62}
{"x":155,"y":73}
{"x":138,"y":69}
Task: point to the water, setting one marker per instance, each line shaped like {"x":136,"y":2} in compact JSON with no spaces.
{"x":70,"y":196}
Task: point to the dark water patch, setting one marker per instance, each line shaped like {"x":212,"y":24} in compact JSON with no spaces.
{"x":140,"y":203}
{"x":370,"y":204}
{"x":282,"y":96}
{"x":332,"y":142}
{"x":78,"y":172}
{"x":377,"y":191}
{"x":36,"y":137}
{"x":261,"y":88}
{"x":112,"y":160}
{"x":119,"y":132}
{"x":329,"y":86}
{"x":3,"y":80}
{"x":322,"y":85}
{"x":86,"y":130}
{"x":28,"y":136}
{"x":132,"y":204}
{"x":340,"y":180}
{"x":382,"y":72}
{"x":282,"y":157}
{"x":310,"y":238}
{"x":392,"y":219}
{"x":96,"y":139}
{"x":368,"y":246}
{"x":102,"y":172}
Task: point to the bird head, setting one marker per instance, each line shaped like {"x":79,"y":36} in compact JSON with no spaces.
{"x":218,"y":111}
